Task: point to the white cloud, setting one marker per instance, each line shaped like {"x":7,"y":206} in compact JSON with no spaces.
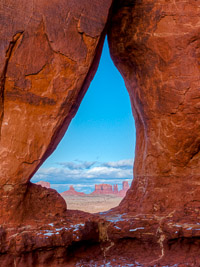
{"x":125,"y":163}
{"x":77,"y":166}
{"x":93,"y":171}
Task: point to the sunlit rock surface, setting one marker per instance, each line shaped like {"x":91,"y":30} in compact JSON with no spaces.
{"x":49,"y":53}
{"x":155,"y":45}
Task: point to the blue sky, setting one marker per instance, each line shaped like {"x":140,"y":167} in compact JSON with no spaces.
{"x":99,"y":144}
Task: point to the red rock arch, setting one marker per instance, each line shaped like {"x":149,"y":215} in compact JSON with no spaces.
{"x":49,"y":54}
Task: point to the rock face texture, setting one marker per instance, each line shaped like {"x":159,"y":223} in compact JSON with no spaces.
{"x":44,"y":184}
{"x":155,"y":45}
{"x":72,"y":192}
{"x":49,"y":52}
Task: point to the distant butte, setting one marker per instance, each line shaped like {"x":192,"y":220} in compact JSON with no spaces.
{"x":72,"y":192}
{"x":100,"y":189}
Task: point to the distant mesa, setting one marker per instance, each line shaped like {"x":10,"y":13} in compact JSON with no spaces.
{"x":72,"y":192}
{"x":100,"y":189}
{"x":44,"y":184}
{"x":107,"y":189}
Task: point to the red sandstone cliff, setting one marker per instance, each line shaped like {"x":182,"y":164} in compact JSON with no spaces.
{"x":72,"y":192}
{"x":49,"y":53}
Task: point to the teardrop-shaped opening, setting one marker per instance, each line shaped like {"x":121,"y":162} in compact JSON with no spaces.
{"x":92,"y":167}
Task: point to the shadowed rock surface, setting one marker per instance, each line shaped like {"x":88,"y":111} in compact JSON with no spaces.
{"x":49,"y":53}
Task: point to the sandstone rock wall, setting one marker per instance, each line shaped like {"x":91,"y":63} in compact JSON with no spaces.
{"x":155,"y":46}
{"x":49,"y":52}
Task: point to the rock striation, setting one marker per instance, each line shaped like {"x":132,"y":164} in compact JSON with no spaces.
{"x":49,"y":52}
{"x":72,"y":192}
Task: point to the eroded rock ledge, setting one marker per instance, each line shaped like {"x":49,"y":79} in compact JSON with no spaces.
{"x":105,"y":239}
{"x":49,"y":53}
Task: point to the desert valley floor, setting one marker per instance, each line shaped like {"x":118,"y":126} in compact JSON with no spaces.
{"x":92,"y":203}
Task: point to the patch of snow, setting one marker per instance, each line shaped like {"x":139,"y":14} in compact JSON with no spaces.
{"x":117,"y":218}
{"x":77,"y":226}
{"x":59,"y":229}
{"x":104,"y":212}
{"x":133,"y":230}
{"x":178,"y":225}
{"x":49,"y":234}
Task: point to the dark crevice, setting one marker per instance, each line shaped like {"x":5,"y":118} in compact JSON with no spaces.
{"x":195,"y":152}
{"x":3,"y":75}
{"x":118,"y":4}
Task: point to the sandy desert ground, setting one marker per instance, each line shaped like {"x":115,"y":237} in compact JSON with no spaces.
{"x":92,"y":204}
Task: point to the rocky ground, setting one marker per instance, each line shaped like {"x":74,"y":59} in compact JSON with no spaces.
{"x":92,"y":203}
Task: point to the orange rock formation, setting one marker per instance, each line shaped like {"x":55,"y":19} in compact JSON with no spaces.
{"x":49,"y":53}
